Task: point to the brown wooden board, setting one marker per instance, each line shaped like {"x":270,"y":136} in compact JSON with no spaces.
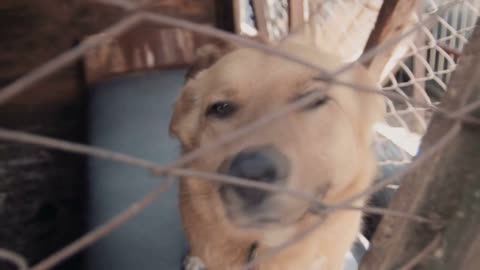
{"x":144,"y":48}
{"x":147,"y":46}
{"x":42,"y":192}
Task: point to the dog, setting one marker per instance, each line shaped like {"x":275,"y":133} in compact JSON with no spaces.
{"x":323,"y":148}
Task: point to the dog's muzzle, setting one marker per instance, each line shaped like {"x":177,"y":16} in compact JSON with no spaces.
{"x":263,"y":164}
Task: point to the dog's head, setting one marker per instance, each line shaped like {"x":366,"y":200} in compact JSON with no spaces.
{"x":320,"y":149}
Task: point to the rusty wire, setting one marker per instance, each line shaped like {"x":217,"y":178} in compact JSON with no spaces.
{"x":317,"y":206}
{"x":423,"y":254}
{"x":103,"y":230}
{"x":13,"y":258}
{"x":134,"y":19}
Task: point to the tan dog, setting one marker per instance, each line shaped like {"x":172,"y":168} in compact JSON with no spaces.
{"x":322,"y":149}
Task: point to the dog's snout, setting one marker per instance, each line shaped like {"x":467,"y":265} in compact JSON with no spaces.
{"x":254,"y":165}
{"x":264,"y":164}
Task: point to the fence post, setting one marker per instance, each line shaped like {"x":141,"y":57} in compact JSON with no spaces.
{"x":447,"y":189}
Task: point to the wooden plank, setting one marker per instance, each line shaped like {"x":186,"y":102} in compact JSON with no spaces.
{"x":446,"y":188}
{"x":225,"y":15}
{"x":42,"y":191}
{"x":144,"y":48}
{"x":390,"y":21}
{"x":151,"y":46}
{"x":295,"y":14}
{"x":394,"y":18}
{"x":237,"y":18}
{"x":59,"y":25}
{"x":139,"y":50}
{"x":259,"y":7}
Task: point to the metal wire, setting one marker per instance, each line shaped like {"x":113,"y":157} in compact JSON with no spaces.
{"x":15,"y":259}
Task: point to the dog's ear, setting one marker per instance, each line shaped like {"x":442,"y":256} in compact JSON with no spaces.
{"x":183,"y":122}
{"x":393,"y":20}
{"x":371,"y":106}
{"x":206,"y":56}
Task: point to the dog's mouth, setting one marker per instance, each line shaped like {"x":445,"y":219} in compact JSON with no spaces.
{"x":261,"y":221}
{"x":268,"y":211}
{"x":271,"y":212}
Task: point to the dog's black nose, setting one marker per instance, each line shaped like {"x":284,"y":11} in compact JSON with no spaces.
{"x":254,"y":165}
{"x":264,"y":164}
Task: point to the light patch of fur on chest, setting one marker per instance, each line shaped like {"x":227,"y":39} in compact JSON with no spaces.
{"x":319,"y":264}
{"x":277,"y":237}
{"x":193,"y":263}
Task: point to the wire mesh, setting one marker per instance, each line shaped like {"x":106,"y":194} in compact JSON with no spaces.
{"x":421,"y":74}
{"x":277,"y":18}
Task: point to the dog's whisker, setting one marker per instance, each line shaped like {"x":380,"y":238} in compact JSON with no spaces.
{"x":272,"y":252}
{"x":194,"y":196}
{"x":374,"y":210}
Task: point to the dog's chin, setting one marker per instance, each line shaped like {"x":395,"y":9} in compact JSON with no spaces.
{"x":271,"y":213}
{"x":261,"y":220}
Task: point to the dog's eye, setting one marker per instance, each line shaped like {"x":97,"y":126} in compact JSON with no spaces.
{"x":221,"y":109}
{"x":315,"y":103}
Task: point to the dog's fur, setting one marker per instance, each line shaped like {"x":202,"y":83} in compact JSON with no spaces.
{"x":329,"y":149}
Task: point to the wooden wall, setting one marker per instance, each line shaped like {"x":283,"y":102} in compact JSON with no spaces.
{"x":42,"y":192}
